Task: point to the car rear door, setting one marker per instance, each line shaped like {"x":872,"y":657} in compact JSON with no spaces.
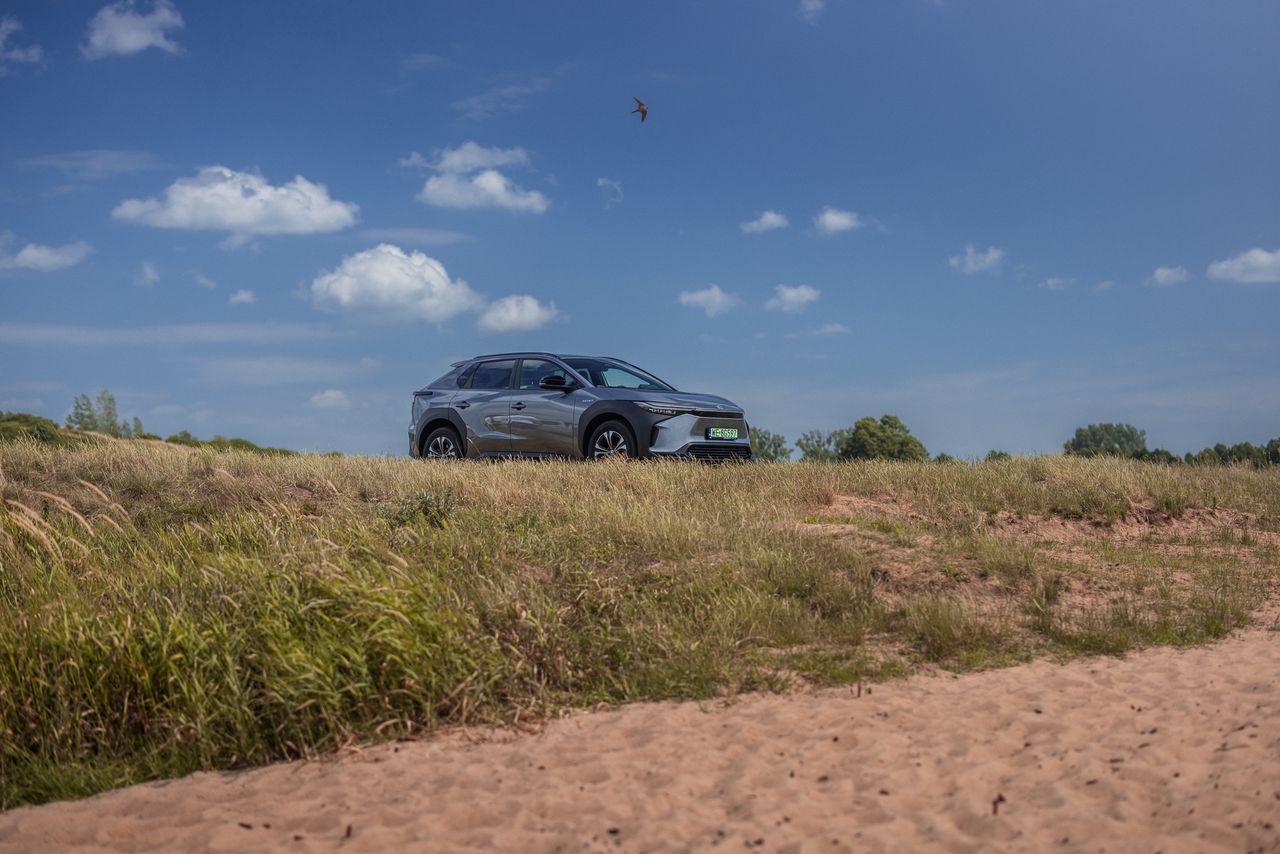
{"x":485,"y":407}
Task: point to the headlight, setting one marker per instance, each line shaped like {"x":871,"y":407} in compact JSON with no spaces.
{"x":660,"y":409}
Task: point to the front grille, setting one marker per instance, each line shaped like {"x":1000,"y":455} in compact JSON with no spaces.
{"x":716,"y":453}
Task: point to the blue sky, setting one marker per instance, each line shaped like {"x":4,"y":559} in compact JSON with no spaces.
{"x":997,"y":220}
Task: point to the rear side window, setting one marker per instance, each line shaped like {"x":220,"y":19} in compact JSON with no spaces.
{"x":493,"y":374}
{"x":456,"y":378}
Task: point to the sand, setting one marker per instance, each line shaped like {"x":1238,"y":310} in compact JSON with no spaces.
{"x":1165,"y":750}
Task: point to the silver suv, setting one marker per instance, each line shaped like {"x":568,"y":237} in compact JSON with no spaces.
{"x":550,"y":405}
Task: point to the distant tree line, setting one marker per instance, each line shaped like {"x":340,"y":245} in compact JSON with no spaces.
{"x":889,"y":439}
{"x":101,"y":415}
{"x":1125,"y":440}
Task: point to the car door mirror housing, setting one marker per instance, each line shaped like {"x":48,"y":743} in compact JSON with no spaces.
{"x":556,"y":382}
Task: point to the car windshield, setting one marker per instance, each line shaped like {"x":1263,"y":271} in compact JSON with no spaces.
{"x":610,"y":374}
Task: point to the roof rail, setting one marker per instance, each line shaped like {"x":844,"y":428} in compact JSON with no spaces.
{"x":516,"y":354}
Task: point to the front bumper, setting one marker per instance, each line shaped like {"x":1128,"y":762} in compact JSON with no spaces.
{"x":686,"y":436}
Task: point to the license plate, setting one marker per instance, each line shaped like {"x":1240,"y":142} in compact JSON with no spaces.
{"x":722,"y":432}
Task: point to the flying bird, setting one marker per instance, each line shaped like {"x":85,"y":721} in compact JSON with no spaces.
{"x":640,"y":108}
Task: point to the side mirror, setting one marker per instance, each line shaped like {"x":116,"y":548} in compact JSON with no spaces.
{"x":555,"y":382}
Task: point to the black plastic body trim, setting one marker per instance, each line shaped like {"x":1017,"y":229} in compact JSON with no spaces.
{"x":640,"y":422}
{"x":433,"y":415}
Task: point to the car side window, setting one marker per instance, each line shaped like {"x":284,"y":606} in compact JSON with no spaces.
{"x":493,"y":375}
{"x":449,"y":380}
{"x":534,"y":371}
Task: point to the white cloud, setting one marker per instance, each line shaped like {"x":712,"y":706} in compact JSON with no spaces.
{"x":121,"y":30}
{"x":823,"y":330}
{"x":1255,"y":267}
{"x":387,"y":280}
{"x":767,"y":221}
{"x":32,"y":53}
{"x":485,"y":187}
{"x":331,"y":398}
{"x":221,"y":199}
{"x":792,"y":298}
{"x":242,"y":297}
{"x":471,"y":157}
{"x":973,"y":261}
{"x":147,"y":275}
{"x":508,"y":98}
{"x":202,"y":280}
{"x":176,"y":334}
{"x":34,"y":256}
{"x":96,"y":164}
{"x":414,"y":62}
{"x":414,"y":161}
{"x":413,"y":236}
{"x":710,"y":299}
{"x":517,"y":313}
{"x":1056,"y":283}
{"x":1163,"y":277}
{"x":612,"y":190}
{"x":488,"y":189}
{"x":834,"y":221}
{"x":810,"y":10}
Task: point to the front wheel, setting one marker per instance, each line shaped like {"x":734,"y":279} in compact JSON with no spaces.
{"x":611,"y":440}
{"x":442,"y":444}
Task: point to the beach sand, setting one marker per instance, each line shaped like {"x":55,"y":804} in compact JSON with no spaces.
{"x":1164,"y":750}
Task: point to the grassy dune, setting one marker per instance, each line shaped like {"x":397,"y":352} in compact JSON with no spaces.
{"x":165,"y":609}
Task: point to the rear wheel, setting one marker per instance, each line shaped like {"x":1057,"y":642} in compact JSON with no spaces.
{"x":442,"y":444}
{"x":611,"y":440}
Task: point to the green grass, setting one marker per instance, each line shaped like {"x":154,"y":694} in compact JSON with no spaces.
{"x":165,"y":609}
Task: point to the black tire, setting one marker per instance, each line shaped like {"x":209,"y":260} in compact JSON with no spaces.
{"x":442,"y":443}
{"x":611,"y":439}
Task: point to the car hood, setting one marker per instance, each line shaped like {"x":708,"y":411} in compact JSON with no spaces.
{"x":680,"y":398}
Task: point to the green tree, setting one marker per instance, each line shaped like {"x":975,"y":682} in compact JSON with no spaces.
{"x":887,"y":439}
{"x":16,"y":425}
{"x":184,"y":438}
{"x":994,"y":456}
{"x":139,"y":432}
{"x":100,"y":415}
{"x":1118,"y":440}
{"x":816,"y":446}
{"x":768,"y":446}
{"x":83,"y":416}
{"x":108,"y":418}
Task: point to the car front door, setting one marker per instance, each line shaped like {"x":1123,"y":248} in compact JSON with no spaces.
{"x":485,"y":407}
{"x":543,"y":421}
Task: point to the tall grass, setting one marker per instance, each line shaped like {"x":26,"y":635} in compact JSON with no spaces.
{"x":165,"y":609}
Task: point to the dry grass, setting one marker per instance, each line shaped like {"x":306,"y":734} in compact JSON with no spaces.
{"x":164,"y":609}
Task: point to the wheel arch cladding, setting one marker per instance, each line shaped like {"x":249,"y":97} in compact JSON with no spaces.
{"x":435,"y":420}
{"x":599,"y":413}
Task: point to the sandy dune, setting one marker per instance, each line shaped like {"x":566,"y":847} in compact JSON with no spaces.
{"x":1163,"y":751}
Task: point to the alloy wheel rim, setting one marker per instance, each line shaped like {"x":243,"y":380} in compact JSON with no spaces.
{"x":442,"y":447}
{"x":610,"y":443}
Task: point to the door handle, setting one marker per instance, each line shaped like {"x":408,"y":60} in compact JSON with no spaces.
{"x":517,"y":406}
{"x":461,"y":405}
